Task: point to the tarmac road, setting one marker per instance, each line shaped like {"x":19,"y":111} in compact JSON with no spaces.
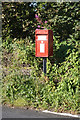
{"x":8,"y":112}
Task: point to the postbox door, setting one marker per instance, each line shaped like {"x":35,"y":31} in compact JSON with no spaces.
{"x":42,"y":46}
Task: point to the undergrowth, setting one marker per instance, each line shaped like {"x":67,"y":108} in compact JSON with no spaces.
{"x":25,"y":85}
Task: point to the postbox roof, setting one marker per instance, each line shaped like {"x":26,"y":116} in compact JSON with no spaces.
{"x":42,"y":31}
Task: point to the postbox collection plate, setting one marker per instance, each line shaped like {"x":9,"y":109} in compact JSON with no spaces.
{"x":42,"y":48}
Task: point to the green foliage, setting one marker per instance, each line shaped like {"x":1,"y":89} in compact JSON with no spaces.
{"x":25,"y":79}
{"x":22,"y":71}
{"x":62,"y":17}
{"x":17,"y":20}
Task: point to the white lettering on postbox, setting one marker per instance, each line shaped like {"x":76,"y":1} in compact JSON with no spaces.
{"x":42,"y":37}
{"x":42,"y":49}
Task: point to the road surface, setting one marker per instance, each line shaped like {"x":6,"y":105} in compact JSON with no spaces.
{"x":8,"y":112}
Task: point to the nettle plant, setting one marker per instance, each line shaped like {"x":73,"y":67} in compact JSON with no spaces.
{"x":42,"y":25}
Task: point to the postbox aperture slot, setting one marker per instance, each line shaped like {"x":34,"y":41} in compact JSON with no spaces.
{"x":41,"y":37}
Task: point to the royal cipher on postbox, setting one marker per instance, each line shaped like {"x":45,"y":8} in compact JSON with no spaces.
{"x":43,"y":43}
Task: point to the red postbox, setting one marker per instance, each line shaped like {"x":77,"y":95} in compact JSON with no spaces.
{"x":43,"y":43}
